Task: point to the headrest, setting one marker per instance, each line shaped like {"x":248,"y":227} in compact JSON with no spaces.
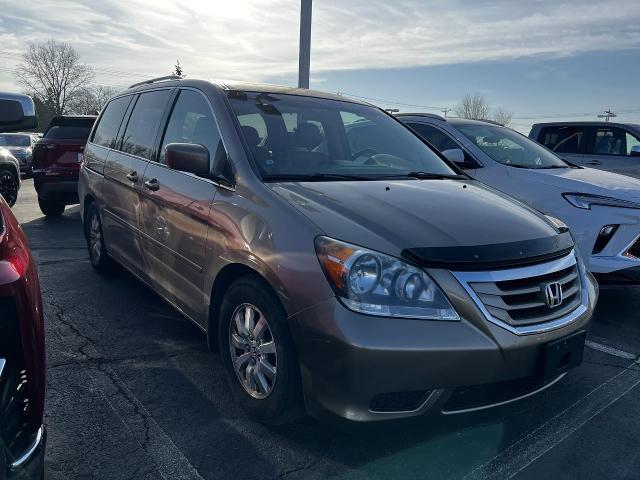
{"x":307,"y":135}
{"x":251,"y":135}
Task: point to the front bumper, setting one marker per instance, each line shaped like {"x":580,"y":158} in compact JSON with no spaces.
{"x":367,"y":368}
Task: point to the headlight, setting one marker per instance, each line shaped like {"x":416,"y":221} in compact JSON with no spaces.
{"x":377,"y":284}
{"x":585,"y":200}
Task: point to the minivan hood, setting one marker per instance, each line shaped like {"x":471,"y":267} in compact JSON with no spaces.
{"x":582,"y":180}
{"x":390,"y":216}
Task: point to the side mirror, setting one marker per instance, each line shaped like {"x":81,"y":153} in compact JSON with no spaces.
{"x":454,"y":155}
{"x":188,"y":157}
{"x":17,"y":112}
{"x":635,"y":151}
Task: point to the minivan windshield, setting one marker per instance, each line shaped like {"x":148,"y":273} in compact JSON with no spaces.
{"x":510,"y":148}
{"x":15,"y":140}
{"x":297,"y":138}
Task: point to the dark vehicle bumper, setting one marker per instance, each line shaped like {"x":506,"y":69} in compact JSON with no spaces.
{"x":367,"y":368}
{"x":55,"y":185}
{"x":31,"y":465}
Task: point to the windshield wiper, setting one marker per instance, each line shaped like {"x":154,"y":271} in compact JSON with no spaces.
{"x":316,"y":177}
{"x":433,"y":176}
{"x":549,"y":167}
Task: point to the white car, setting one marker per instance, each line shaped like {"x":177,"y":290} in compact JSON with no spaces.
{"x":602,"y":209}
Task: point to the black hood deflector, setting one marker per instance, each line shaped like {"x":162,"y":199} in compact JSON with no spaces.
{"x":498,"y":255}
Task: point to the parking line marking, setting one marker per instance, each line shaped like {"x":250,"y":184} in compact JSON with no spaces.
{"x":534,"y":445}
{"x":168,"y":459}
{"x":610,"y":350}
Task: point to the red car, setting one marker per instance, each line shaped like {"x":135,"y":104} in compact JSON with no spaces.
{"x":22,"y":359}
{"x":22,"y":362}
{"x":56,"y":162}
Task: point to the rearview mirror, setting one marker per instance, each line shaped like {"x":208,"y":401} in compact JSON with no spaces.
{"x":635,"y":151}
{"x":454,"y":155}
{"x":17,"y":112}
{"x":188,"y":157}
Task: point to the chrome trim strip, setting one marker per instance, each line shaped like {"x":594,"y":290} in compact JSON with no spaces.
{"x":491,"y":405}
{"x":428,"y":402}
{"x":465,"y":278}
{"x":27,"y":455}
{"x":3,"y":362}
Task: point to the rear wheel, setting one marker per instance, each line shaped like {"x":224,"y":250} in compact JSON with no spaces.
{"x":51,"y":208}
{"x":9,"y":185}
{"x":258,"y":352}
{"x":100,"y":259}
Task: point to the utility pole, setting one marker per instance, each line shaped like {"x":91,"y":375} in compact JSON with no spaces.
{"x":607,"y":114}
{"x":304,"y":57}
{"x":445,"y":111}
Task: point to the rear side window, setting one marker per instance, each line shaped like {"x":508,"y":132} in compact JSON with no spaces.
{"x":435,"y":136}
{"x":106,"y":133}
{"x":191,"y":121}
{"x":613,"y":141}
{"x":562,"y":139}
{"x":143,"y":124}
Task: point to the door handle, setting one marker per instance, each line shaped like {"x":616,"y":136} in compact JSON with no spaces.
{"x":132,"y":177}
{"x":152,"y":184}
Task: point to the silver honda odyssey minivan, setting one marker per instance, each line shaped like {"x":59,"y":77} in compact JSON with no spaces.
{"x":338,"y":264}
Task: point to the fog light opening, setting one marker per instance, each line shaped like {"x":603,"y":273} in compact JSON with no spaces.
{"x":604,"y":236}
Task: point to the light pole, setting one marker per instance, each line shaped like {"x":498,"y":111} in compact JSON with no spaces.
{"x":607,"y":114}
{"x":305,"y":44}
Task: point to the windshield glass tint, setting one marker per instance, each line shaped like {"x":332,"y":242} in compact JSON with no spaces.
{"x":297,"y":136}
{"x":15,"y":140}
{"x":510,"y":148}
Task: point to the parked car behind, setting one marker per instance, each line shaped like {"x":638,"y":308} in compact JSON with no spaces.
{"x":370,"y":283}
{"x":56,"y":162}
{"x":9,"y":177}
{"x":21,"y":147}
{"x":614,"y":147}
{"x":22,"y":359}
{"x":602,"y":209}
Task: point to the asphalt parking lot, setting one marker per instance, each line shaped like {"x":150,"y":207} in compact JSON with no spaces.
{"x":134,"y":393}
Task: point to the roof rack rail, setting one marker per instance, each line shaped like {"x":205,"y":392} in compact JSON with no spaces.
{"x":157,"y":79}
{"x":428,"y":115}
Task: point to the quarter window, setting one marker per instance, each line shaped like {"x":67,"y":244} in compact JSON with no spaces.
{"x":106,"y":133}
{"x":562,"y":139}
{"x":143,"y":124}
{"x":192,"y":121}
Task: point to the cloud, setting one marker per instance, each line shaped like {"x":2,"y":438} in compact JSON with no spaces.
{"x":258,"y":39}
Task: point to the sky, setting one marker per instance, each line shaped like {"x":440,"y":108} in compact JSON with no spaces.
{"x":540,"y":59}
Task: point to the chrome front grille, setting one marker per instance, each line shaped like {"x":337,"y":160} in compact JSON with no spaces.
{"x":516,"y":299}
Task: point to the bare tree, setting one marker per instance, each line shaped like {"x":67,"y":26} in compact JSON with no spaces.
{"x":90,"y":100}
{"x":473,"y":107}
{"x":502,"y":116}
{"x":52,"y":72}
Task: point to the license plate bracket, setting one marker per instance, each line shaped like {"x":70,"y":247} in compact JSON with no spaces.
{"x":562,"y":355}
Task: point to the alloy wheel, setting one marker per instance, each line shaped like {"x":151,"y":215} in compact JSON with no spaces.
{"x":8,"y":187}
{"x":95,"y":239}
{"x":253,"y":350}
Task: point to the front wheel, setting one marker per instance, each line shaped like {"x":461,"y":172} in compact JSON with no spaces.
{"x":9,"y":186}
{"x":258,"y":352}
{"x":100,"y":259}
{"x":51,"y":208}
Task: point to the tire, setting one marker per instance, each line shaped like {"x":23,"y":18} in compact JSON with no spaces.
{"x":268,"y":397}
{"x":100,"y":259}
{"x":9,"y":186}
{"x":51,"y":208}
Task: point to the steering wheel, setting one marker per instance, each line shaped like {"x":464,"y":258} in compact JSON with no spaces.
{"x":386,"y":160}
{"x":370,"y":152}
